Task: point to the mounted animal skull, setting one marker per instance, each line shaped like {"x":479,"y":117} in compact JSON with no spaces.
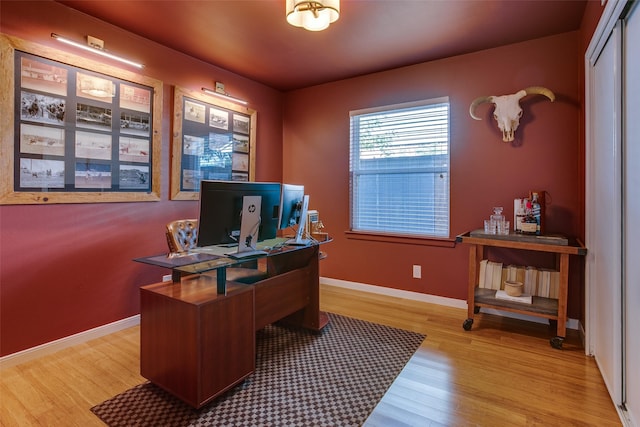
{"x":507,"y":110}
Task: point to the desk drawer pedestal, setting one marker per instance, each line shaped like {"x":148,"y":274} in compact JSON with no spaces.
{"x":195,"y":343}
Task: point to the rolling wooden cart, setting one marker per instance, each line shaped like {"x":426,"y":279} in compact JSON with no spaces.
{"x":553,"y":309}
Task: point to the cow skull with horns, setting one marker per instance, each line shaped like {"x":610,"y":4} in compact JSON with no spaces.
{"x":507,"y":110}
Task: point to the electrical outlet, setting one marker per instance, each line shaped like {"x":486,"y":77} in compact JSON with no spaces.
{"x":166,"y":278}
{"x":417,"y":271}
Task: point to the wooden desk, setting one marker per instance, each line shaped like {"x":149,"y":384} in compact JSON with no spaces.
{"x":197,"y":343}
{"x":553,"y":309}
{"x":194,"y":342}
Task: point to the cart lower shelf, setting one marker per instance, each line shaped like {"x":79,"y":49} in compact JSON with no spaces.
{"x":540,"y":307}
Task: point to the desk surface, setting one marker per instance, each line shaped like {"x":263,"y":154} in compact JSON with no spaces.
{"x":202,"y":259}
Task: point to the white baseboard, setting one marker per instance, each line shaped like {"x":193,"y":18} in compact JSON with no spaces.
{"x":434,"y":299}
{"x":397,"y":293}
{"x":79,"y":338}
{"x":57,"y":345}
{"x":625,"y":417}
{"x":571,"y":323}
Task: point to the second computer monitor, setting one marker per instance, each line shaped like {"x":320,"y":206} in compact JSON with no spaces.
{"x":300,"y":239}
{"x":290,"y":205}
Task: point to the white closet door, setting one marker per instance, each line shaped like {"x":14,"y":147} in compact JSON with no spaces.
{"x":631,"y":230}
{"x":604,"y":191}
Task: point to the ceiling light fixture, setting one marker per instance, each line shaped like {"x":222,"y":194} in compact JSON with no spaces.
{"x":96,"y":46}
{"x":313,"y":15}
{"x":220,"y":93}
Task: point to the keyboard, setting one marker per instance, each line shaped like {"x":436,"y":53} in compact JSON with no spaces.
{"x":246,"y":254}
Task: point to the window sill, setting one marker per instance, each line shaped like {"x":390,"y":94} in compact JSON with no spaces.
{"x":400,"y":238}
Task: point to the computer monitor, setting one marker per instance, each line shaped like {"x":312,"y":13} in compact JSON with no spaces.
{"x":290,"y":205}
{"x":221,"y":206}
{"x":300,"y":239}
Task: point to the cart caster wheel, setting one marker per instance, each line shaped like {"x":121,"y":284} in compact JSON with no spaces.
{"x":466,"y":325}
{"x":556,"y":342}
{"x":476,"y":309}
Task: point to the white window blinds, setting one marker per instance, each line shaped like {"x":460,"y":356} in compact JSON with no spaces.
{"x":399,"y":169}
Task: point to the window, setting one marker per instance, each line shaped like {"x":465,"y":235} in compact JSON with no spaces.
{"x":399,"y":169}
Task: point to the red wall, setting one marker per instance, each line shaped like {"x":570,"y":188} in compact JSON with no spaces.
{"x":485,"y":171}
{"x":68,"y":268}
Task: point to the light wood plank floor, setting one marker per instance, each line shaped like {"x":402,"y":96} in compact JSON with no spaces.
{"x":501,"y":373}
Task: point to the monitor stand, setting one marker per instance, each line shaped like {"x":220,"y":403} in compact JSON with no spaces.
{"x":299,"y":240}
{"x":249,"y":227}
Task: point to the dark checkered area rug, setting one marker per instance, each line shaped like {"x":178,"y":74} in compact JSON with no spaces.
{"x":332,"y":378}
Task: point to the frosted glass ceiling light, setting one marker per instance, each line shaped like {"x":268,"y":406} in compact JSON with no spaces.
{"x":313,"y":15}
{"x":96,"y":46}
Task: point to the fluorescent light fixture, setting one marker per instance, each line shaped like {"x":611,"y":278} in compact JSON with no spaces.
{"x":95,"y":48}
{"x":312,"y":15}
{"x":224,"y":96}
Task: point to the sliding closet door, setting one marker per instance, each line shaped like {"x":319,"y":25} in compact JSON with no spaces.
{"x":613,"y":203}
{"x":631,"y":230}
{"x":604,"y":200}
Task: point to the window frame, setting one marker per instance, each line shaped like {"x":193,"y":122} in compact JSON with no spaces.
{"x":398,"y":236}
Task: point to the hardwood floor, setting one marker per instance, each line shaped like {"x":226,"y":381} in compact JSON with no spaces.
{"x":501,"y":373}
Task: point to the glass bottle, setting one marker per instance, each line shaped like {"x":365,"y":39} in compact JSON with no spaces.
{"x":519,"y":215}
{"x":497,"y":219}
{"x":536,"y":211}
{"x":529,"y":224}
{"x":497,"y":216}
